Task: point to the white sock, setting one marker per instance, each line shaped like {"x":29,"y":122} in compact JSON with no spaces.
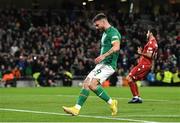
{"x":78,"y":106}
{"x":110,"y":101}
{"x":136,"y":97}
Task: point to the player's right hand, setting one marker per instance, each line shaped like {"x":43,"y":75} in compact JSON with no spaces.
{"x":99,"y":59}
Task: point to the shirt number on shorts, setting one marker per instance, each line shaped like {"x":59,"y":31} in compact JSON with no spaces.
{"x":97,"y":72}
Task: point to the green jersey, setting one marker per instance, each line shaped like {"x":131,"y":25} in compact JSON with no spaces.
{"x":110,"y":35}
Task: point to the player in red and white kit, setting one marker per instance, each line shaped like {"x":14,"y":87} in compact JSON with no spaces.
{"x":144,"y":66}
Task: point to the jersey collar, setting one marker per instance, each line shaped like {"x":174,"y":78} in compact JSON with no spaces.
{"x":108,"y":29}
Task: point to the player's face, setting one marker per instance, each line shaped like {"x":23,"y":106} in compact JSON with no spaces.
{"x":148,"y":34}
{"x":99,"y":24}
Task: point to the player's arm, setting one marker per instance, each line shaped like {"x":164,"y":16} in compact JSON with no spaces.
{"x":115,"y":48}
{"x":148,"y":54}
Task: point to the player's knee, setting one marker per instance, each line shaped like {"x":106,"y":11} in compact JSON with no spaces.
{"x":92,"y":87}
{"x":85,"y":85}
{"x":93,"y":84}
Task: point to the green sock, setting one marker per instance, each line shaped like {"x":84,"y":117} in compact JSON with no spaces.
{"x":101,"y":93}
{"x":83,"y":96}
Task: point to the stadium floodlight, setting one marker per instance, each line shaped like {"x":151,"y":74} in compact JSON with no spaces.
{"x":83,"y":3}
{"x":90,"y":0}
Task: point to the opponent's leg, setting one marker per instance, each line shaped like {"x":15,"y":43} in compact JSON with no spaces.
{"x":134,"y":90}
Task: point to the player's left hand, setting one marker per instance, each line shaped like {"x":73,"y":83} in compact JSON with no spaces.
{"x":99,"y":59}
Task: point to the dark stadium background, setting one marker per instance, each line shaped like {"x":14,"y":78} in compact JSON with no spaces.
{"x":50,"y":41}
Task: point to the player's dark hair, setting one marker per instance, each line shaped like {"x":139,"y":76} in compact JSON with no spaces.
{"x":99,"y":17}
{"x":153,"y":31}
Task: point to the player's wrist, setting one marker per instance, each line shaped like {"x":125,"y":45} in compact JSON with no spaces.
{"x":104,"y":55}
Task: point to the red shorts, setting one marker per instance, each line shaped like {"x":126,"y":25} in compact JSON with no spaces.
{"x":139,"y":72}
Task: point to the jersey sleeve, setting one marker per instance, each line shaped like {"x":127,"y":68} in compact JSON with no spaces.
{"x":115,"y":37}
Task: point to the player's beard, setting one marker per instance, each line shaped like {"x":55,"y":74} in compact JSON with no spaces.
{"x":101,"y":29}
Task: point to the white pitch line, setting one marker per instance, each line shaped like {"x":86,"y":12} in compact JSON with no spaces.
{"x":149,"y":115}
{"x":86,"y":116}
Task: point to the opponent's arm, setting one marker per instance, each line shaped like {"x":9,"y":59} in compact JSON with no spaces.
{"x":148,"y":54}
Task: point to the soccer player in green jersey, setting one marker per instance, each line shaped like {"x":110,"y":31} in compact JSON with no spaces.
{"x":106,"y":64}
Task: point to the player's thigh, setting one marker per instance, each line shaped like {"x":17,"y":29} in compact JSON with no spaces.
{"x":144,"y":71}
{"x":86,"y":83}
{"x":139,"y":71}
{"x":101,"y":73}
{"x":89,"y":77}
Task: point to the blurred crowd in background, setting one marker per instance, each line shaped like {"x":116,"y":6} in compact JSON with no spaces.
{"x":49,"y":45}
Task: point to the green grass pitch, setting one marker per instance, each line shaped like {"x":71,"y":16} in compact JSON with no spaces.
{"x":161,"y":104}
